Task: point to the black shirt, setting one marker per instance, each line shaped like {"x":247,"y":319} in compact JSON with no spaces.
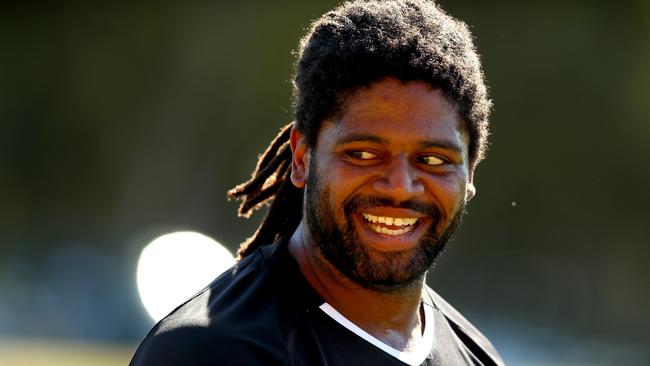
{"x":263,"y":312}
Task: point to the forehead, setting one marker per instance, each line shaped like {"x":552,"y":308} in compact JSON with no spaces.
{"x":398,"y":113}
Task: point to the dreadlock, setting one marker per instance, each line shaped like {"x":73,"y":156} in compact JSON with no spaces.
{"x":350,"y":47}
{"x":269,"y":182}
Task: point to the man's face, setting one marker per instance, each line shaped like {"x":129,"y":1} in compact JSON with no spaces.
{"x":386,"y":183}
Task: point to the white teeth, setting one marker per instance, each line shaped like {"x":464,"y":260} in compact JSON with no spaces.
{"x":410,"y":221}
{"x":393,"y":221}
{"x":383,"y":230}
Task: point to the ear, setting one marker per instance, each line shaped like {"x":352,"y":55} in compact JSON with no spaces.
{"x":299,"y":158}
{"x":470,"y":190}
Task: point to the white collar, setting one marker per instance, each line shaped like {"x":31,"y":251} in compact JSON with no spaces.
{"x":414,"y":358}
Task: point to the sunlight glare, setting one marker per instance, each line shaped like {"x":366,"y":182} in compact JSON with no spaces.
{"x":175,"y":266}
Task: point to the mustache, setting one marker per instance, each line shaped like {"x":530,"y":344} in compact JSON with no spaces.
{"x":356,"y":203}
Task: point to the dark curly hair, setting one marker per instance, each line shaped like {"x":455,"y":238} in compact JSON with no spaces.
{"x":352,"y":46}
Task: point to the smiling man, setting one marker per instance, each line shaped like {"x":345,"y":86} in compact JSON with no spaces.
{"x":397,"y":181}
{"x":366,"y":187}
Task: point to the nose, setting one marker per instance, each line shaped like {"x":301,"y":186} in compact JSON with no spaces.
{"x":400,"y":180}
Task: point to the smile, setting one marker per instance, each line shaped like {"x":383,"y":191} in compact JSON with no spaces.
{"x":398,"y":225}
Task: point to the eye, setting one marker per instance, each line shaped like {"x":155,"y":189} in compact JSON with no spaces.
{"x":431,"y":160}
{"x":362,"y":155}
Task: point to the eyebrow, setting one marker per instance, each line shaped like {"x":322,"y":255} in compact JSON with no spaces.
{"x":362,"y":138}
{"x":440,"y":144}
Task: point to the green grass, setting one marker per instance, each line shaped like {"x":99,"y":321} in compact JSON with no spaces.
{"x":30,"y":352}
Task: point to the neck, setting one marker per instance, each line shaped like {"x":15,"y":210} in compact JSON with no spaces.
{"x":393,"y":317}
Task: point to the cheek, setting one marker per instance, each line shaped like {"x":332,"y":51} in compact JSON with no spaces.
{"x":345,"y":183}
{"x":450,"y":191}
{"x":347,"y":178}
{"x":332,"y":182}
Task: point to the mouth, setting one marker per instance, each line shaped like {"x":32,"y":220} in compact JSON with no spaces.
{"x":389,"y":225}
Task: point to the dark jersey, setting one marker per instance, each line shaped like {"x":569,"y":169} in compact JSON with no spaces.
{"x":263,"y":312}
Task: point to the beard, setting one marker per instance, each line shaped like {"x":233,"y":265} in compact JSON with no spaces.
{"x":340,"y":244}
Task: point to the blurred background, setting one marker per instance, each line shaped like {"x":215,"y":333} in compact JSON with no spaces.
{"x":122,"y":122}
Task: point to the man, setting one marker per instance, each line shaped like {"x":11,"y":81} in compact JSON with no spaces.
{"x":366,"y":186}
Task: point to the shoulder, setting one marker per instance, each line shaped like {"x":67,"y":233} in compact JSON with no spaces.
{"x":233,"y":321}
{"x":182,"y":344}
{"x":203,"y":346}
{"x":471,"y":337}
